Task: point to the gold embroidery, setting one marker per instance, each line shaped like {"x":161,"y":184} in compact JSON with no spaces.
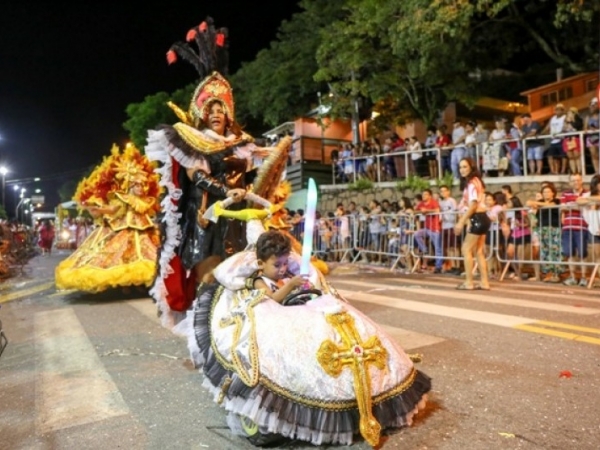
{"x":328,"y":405}
{"x":358,"y":355}
{"x":242,"y":311}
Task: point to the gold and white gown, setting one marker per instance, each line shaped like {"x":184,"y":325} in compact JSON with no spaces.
{"x":320,"y":372}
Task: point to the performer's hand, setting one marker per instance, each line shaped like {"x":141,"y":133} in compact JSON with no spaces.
{"x":237,"y":194}
{"x":262,"y":151}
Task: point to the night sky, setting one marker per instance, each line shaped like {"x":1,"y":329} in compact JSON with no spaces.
{"x":69,"y":69}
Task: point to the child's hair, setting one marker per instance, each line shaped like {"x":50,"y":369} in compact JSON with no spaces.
{"x":272,"y":243}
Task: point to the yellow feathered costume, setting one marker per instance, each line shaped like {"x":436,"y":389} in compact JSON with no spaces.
{"x":121,"y":195}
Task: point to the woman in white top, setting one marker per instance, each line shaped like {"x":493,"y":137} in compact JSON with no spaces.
{"x":476,"y":221}
{"x":414,"y":148}
{"x":492,"y":152}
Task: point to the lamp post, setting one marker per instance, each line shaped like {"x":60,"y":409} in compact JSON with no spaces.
{"x":3,"y":172}
{"x":21,"y":201}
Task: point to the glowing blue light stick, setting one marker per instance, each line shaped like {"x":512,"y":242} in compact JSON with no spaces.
{"x":309,"y":226}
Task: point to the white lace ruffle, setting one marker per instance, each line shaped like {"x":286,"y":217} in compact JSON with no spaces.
{"x":159,"y":149}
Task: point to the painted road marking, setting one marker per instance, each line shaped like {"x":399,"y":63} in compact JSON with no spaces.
{"x":472,"y":295}
{"x":410,"y":340}
{"x":26,"y":292}
{"x":503,"y":320}
{"x":561,"y":334}
{"x":489,"y":318}
{"x":72,"y":386}
{"x":554,"y":291}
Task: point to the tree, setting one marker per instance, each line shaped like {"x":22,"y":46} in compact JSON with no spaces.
{"x":153,"y":111}
{"x":404,"y":58}
{"x":67,"y":190}
{"x":278,"y":85}
{"x":412,"y":57}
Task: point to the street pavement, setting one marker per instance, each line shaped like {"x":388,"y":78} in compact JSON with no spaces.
{"x":516,"y":367}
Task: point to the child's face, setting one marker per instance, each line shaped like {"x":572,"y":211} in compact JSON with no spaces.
{"x":275,"y":267}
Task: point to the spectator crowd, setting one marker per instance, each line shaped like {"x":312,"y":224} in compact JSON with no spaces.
{"x":553,"y":237}
{"x":566,"y":144}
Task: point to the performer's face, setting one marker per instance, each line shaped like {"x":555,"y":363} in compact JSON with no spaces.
{"x":217,"y":120}
{"x":275,"y":267}
{"x":137,"y":189}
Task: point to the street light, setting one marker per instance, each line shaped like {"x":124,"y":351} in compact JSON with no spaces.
{"x":3,"y":172}
{"x":21,"y":201}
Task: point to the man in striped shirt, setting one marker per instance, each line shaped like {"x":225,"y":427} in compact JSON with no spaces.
{"x":574,"y":240}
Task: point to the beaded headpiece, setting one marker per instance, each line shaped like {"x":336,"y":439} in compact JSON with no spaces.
{"x":210,"y":61}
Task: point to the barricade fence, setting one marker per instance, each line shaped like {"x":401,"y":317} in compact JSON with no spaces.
{"x":551,"y":243}
{"x":506,"y":155}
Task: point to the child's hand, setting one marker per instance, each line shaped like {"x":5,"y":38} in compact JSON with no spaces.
{"x":298,"y":281}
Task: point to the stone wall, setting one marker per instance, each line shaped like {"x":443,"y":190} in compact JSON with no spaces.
{"x":524,"y":188}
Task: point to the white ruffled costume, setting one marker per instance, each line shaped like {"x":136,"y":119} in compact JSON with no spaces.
{"x":267,"y":362}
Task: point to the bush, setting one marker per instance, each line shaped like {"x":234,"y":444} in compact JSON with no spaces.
{"x":362,"y":184}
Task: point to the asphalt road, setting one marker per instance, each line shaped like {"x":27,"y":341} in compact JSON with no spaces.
{"x":517,"y":367}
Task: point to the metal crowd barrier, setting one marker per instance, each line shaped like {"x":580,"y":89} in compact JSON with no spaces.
{"x":518,"y":241}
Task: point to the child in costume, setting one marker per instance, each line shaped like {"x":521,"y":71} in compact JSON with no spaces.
{"x":272,"y":254}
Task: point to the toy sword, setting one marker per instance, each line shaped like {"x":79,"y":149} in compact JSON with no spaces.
{"x":309,"y":226}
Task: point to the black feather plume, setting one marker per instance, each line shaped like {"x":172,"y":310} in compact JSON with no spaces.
{"x":209,"y":56}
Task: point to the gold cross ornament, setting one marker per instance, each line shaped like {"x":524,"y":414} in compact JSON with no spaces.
{"x":358,"y":356}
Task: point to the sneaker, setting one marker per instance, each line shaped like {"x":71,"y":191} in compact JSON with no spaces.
{"x":437,"y":270}
{"x":583,"y":282}
{"x":554,"y":279}
{"x":570,"y":282}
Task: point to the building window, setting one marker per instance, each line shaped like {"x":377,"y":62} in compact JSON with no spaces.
{"x":550,"y":98}
{"x":590,"y":85}
{"x":565,"y":93}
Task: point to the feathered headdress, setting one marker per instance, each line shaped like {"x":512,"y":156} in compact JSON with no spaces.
{"x":116,"y":173}
{"x":211,"y":61}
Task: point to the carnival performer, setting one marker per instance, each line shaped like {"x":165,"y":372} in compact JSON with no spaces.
{"x":46,"y":237}
{"x":122,"y":250}
{"x":319,"y":371}
{"x":204,"y":158}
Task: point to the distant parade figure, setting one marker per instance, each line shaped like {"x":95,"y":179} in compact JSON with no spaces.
{"x":46,"y":237}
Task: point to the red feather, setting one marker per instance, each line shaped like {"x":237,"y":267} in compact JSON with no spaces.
{"x":171,"y":57}
{"x":191,"y":35}
{"x":220,"y":40}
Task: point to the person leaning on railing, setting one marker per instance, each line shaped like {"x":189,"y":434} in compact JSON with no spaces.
{"x":592,"y":127}
{"x":589,"y":203}
{"x":572,"y":143}
{"x":535,"y":147}
{"x":546,"y":207}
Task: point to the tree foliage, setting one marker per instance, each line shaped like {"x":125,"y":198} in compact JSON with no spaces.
{"x":154,"y":111}
{"x":279,"y":84}
{"x":405,"y":58}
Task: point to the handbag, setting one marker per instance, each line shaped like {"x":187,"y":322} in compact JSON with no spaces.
{"x":480,"y":223}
